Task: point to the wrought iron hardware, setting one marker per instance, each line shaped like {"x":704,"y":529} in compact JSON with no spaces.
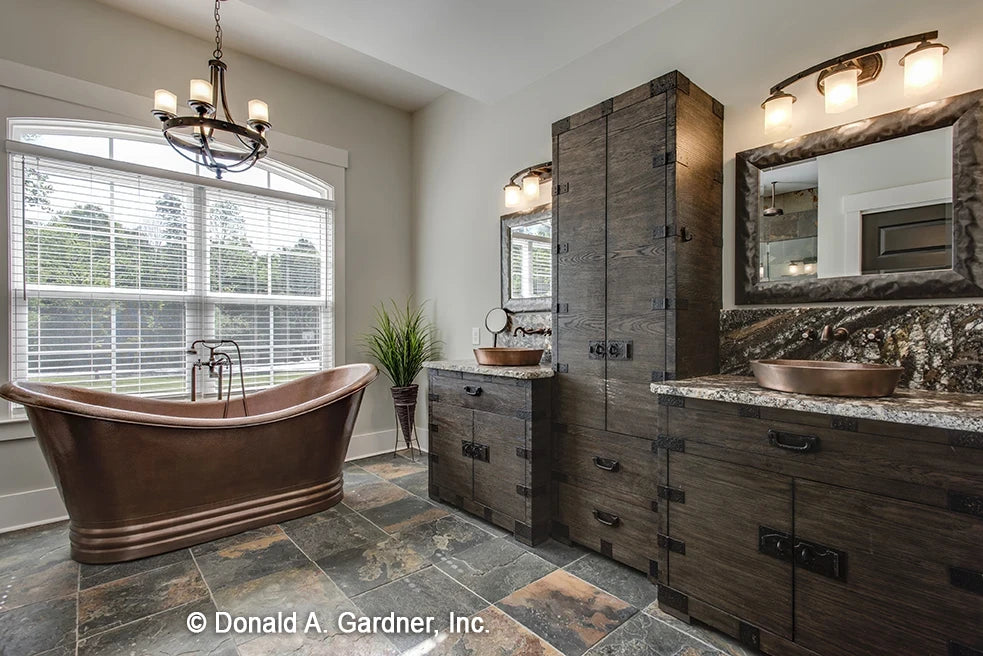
{"x":562,"y":308}
{"x":662,"y":376}
{"x":561,"y":126}
{"x":672,"y":400}
{"x":669,"y":304}
{"x":561,"y":368}
{"x":474,"y":450}
{"x":673,"y":599}
{"x":523,"y":490}
{"x":844,"y":424}
{"x":561,"y":188}
{"x":562,"y":248}
{"x":434,"y":397}
{"x":654,"y":570}
{"x":434,"y":458}
{"x":966,"y":579}
{"x":966,"y":439}
{"x":472,"y":390}
{"x":619,"y":349}
{"x":718,"y":109}
{"x":669,"y":444}
{"x":673,"y":545}
{"x":606,"y":464}
{"x":523,"y":452}
{"x":607,"y":549}
{"x":684,"y":234}
{"x":820,"y":559}
{"x":596,"y":349}
{"x":793,"y":442}
{"x":664,"y":231}
{"x":434,"y":428}
{"x":775,"y":543}
{"x":749,"y":635}
{"x":749,"y":411}
{"x":467,"y":449}
{"x":606,"y":518}
{"x":662,"y":159}
{"x":672,"y":494}
{"x":607,"y":106}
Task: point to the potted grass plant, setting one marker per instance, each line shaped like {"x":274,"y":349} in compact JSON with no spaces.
{"x":401,"y":340}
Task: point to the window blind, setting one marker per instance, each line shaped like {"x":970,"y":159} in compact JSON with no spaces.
{"x":531,"y":265}
{"x":114,"y":273}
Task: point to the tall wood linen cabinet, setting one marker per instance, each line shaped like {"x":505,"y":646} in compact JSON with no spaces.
{"x":637,"y":184}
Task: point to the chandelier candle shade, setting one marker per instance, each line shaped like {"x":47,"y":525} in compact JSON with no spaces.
{"x":219,"y":144}
{"x":841,"y":89}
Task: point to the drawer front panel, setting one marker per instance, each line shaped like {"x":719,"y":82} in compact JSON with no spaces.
{"x":496,"y":481}
{"x":620,"y":530}
{"x":619,"y":463}
{"x":827,"y":454}
{"x":450,"y":470}
{"x":504,"y":397}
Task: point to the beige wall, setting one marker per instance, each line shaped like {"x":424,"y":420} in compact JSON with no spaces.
{"x":98,"y":44}
{"x":734,"y":50}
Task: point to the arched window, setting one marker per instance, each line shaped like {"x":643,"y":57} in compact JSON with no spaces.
{"x":122,"y":253}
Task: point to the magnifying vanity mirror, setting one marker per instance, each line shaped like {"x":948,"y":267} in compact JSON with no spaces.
{"x":527,"y":260}
{"x":887,"y":207}
{"x":496,"y":321}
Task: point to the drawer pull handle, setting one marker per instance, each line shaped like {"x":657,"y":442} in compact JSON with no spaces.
{"x":606,"y":464}
{"x":606,"y":518}
{"x":793,"y":442}
{"x":472,"y":390}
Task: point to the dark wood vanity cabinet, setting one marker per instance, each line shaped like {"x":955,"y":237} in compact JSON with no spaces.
{"x":803,"y":533}
{"x":490,"y":448}
{"x":637,"y":291}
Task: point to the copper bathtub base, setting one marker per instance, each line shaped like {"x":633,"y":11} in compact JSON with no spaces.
{"x":112,"y":545}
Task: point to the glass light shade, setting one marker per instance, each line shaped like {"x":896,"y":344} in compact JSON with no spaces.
{"x":923,"y":69}
{"x":841,"y":90}
{"x":201,"y":91}
{"x":165,"y":101}
{"x":778,"y":113}
{"x":793,"y":268}
{"x":512,"y":197}
{"x":530,"y":186}
{"x":259,"y":111}
{"x":810,"y":267}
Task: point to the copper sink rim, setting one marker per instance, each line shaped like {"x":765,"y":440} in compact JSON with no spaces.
{"x":830,"y":365}
{"x":508,"y":356}
{"x":827,"y":378}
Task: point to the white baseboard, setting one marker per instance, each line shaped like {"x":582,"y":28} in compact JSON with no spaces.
{"x":44,"y":506}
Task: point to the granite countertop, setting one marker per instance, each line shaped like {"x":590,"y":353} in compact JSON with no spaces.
{"x":472,"y":367}
{"x":962,"y":412}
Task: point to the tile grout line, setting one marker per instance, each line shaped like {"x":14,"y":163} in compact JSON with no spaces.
{"x":685,"y":633}
{"x":139,"y":619}
{"x":211,"y":595}
{"x":78,"y":594}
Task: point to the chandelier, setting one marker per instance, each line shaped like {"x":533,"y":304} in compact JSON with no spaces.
{"x":219,"y":144}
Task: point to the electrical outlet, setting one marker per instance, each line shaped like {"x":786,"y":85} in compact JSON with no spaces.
{"x":476,"y":336}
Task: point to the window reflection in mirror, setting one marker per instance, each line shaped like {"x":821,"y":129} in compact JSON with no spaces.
{"x":530,"y":260}
{"x":881,"y":208}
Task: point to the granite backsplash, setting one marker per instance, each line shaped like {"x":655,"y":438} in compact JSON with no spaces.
{"x":940,"y":347}
{"x":531,"y":321}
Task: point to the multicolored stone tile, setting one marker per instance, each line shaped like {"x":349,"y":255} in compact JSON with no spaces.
{"x":427,"y":593}
{"x":502,"y":636}
{"x":391,"y":466}
{"x":443,"y":537}
{"x":613,"y":577}
{"x":721,"y":641}
{"x":643,"y":635}
{"x":35,"y":581}
{"x":37,"y":545}
{"x":555,"y":552}
{"x":418,"y":483}
{"x":113,"y":604}
{"x":403,"y":514}
{"x":93,"y":575}
{"x":163,"y":634}
{"x":571,"y":614}
{"x":37,"y":628}
{"x":319,"y":536}
{"x":369,"y":566}
{"x":495,"y":569}
{"x":248,"y":556}
{"x":480,"y":522}
{"x":354,"y":476}
{"x":375,"y":494}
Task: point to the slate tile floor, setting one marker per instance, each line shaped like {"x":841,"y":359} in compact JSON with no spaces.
{"x":386,"y":548}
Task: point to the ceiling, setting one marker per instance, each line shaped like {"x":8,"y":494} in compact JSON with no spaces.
{"x":409,"y":53}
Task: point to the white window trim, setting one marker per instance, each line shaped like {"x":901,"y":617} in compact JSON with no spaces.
{"x":323,"y":161}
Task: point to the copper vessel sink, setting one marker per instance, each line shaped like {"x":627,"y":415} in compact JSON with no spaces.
{"x":508,"y":357}
{"x":827,"y":378}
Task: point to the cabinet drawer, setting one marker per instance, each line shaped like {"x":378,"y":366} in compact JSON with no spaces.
{"x":617,"y":529}
{"x":883,"y":464}
{"x":598,"y":459}
{"x":497,"y":481}
{"x":502,"y":397}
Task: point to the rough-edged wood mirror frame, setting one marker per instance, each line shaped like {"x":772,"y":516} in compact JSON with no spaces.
{"x":965,"y":114}
{"x":509,"y":221}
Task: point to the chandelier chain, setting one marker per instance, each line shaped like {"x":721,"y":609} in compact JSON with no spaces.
{"x":217,"y":54}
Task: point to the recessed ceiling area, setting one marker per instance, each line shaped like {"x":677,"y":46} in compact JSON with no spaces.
{"x":409,"y":53}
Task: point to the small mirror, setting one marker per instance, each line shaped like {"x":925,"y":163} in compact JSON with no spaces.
{"x":527,"y":259}
{"x":496,"y":321}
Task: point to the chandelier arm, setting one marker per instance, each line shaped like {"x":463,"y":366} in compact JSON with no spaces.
{"x":225,"y":100}
{"x":182,"y":148}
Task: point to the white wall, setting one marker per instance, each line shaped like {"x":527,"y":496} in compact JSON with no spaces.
{"x":733,"y":50}
{"x":89,"y":41}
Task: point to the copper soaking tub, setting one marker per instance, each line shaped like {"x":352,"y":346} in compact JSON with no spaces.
{"x":140,"y":477}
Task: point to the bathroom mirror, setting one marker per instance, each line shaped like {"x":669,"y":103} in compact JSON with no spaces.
{"x":527,"y":259}
{"x":883,"y":208}
{"x":496,"y":320}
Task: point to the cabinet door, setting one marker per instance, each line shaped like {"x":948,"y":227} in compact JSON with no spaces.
{"x":636,"y":262}
{"x":720,"y":522}
{"x":450,"y":471}
{"x":496,"y":480}
{"x":907,"y":581}
{"x":579,"y":226}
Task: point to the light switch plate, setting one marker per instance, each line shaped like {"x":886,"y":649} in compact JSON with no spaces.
{"x":475,"y":336}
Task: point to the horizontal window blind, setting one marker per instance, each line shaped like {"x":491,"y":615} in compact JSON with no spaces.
{"x":114,"y":274}
{"x":531,"y":265}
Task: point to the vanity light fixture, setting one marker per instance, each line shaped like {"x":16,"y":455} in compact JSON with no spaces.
{"x":840,"y":77}
{"x":194,"y":137}
{"x":531,"y":178}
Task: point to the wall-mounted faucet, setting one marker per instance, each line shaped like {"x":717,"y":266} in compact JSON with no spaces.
{"x":840,"y":334}
{"x":532,"y":331}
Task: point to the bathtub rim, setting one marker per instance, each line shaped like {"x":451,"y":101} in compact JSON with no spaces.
{"x":16,"y":392}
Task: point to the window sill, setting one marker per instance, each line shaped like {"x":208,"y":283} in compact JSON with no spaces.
{"x":15,"y":429}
